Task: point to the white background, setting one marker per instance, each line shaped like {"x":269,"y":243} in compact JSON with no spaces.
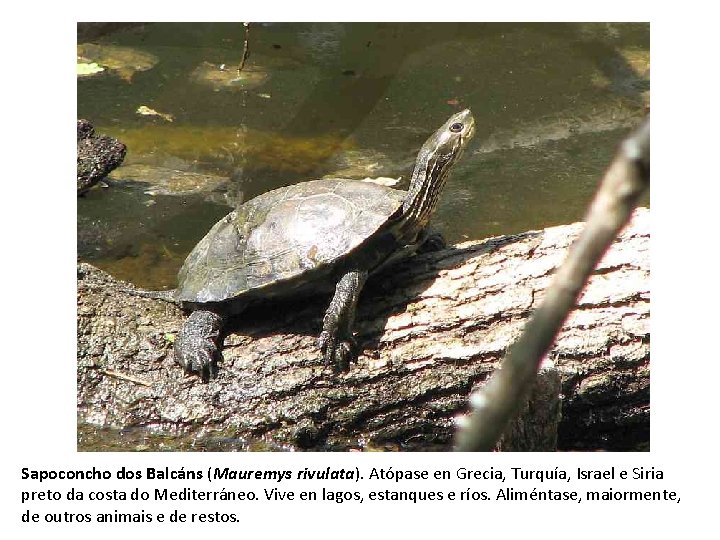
{"x":38,"y":274}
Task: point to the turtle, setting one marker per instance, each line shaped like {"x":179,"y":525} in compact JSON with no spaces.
{"x":308,"y":238}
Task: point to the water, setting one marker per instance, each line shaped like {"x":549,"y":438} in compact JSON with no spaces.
{"x":551,"y":102}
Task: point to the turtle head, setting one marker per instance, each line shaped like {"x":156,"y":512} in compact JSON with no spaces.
{"x":434,"y":161}
{"x":446,"y":145}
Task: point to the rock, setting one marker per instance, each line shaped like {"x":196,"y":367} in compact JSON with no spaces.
{"x":96,"y":156}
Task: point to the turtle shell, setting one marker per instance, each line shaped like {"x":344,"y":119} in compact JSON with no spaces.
{"x":285,"y":238}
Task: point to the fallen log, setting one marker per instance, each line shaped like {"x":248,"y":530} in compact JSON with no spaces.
{"x":430,"y":329}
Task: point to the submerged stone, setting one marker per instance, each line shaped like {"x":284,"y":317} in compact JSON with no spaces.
{"x":226,"y":76}
{"x":166,"y":181}
{"x":122,"y":61}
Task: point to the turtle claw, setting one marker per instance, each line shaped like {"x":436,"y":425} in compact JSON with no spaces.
{"x":197,"y":356}
{"x":196,"y":347}
{"x":202,"y":360}
{"x":337,"y":353}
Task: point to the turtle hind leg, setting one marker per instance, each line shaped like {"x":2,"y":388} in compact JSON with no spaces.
{"x":196,"y":345}
{"x":336,"y":340}
{"x":431,"y":240}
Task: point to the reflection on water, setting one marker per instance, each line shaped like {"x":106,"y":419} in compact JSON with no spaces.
{"x":550,"y":100}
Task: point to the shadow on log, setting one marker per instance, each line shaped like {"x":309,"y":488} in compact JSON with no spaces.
{"x":431,"y":329}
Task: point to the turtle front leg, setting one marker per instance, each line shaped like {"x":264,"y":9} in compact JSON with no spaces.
{"x":196,"y":346}
{"x":336,"y":340}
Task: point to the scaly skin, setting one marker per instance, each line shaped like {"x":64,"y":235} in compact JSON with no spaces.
{"x":336,"y":340}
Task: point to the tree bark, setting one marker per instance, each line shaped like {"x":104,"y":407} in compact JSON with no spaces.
{"x":430,"y":329}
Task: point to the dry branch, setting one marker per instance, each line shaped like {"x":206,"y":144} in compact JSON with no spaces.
{"x":625,"y":181}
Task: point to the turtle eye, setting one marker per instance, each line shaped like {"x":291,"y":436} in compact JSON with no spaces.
{"x":456,"y":127}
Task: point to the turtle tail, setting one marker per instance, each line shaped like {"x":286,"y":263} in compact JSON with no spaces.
{"x":168,"y":296}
